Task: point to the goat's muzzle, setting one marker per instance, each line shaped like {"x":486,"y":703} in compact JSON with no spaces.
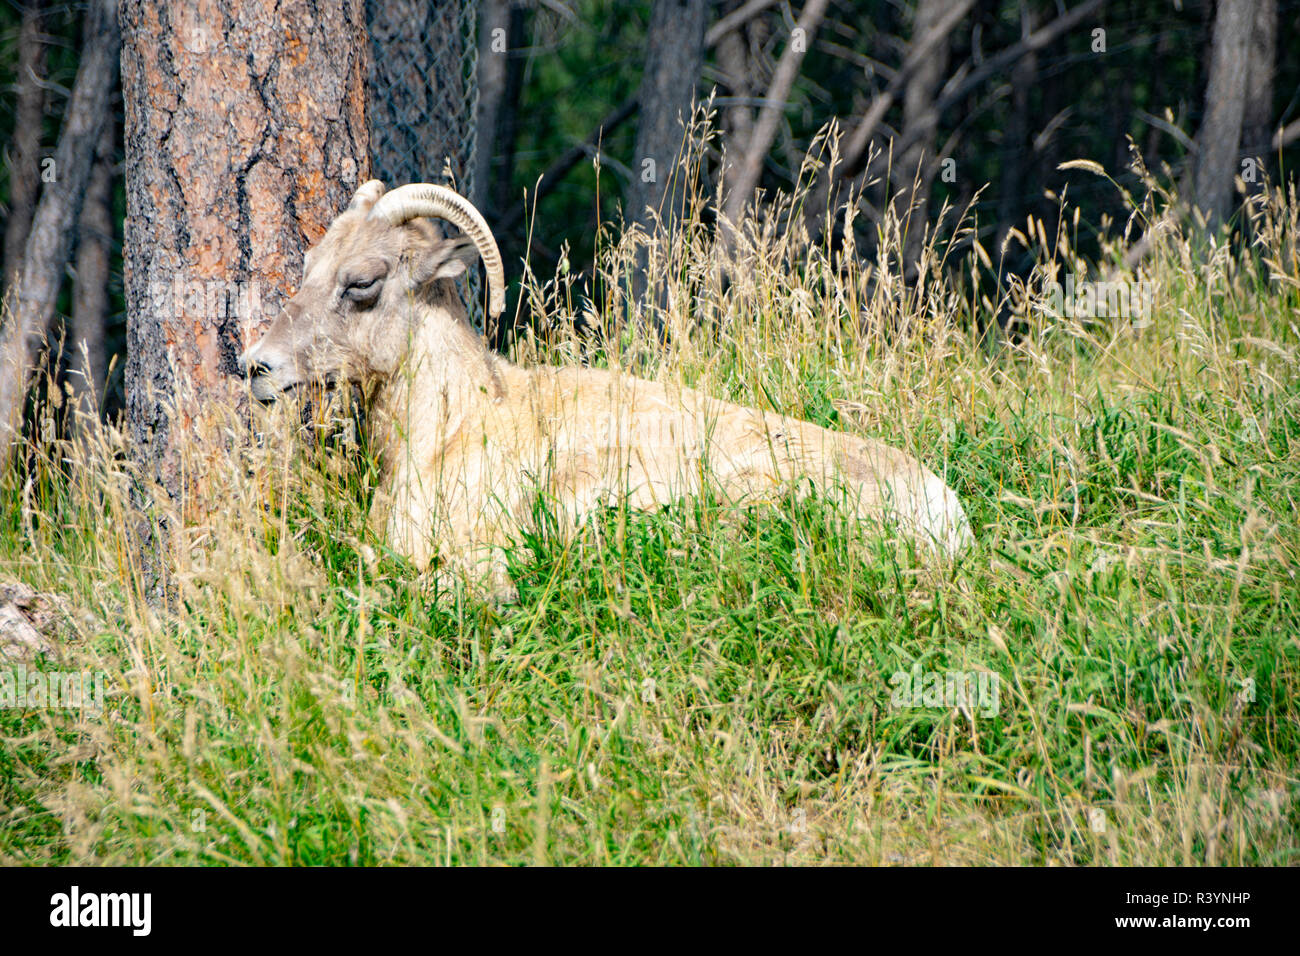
{"x":266,"y":376}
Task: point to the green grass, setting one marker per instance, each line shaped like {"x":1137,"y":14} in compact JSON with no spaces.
{"x":712,"y":685}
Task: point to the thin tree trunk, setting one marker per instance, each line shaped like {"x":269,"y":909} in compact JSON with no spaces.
{"x":674,"y":58}
{"x":913,"y":169}
{"x":506,"y":133}
{"x":738,"y":118}
{"x":45,"y":258}
{"x":24,"y":149}
{"x":245,"y":135}
{"x":493,"y":57}
{"x":1257,"y":119}
{"x":85,"y":342}
{"x":1016,"y":149}
{"x":1219,"y":138}
{"x":769,"y":117}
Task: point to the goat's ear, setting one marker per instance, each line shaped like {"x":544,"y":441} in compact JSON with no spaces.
{"x":445,"y":259}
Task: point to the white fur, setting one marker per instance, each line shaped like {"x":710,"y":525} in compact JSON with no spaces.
{"x":931,"y":511}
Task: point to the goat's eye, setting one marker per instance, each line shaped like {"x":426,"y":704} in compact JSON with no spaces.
{"x":363,"y":290}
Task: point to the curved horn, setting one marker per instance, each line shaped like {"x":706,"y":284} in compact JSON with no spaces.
{"x":425,"y":200}
{"x":367,"y":195}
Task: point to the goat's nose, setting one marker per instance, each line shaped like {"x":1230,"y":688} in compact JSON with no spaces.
{"x":251,"y":366}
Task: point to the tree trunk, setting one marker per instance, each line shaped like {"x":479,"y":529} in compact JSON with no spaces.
{"x":31,"y":302}
{"x":245,"y":135}
{"x":505,"y":139}
{"x":421,"y":118}
{"x":1017,"y":150}
{"x":738,"y":118}
{"x":493,"y":57}
{"x":1219,"y":138}
{"x":85,"y":345}
{"x":24,"y":149}
{"x":1257,"y":118}
{"x":913,"y":169}
{"x":750,"y":168}
{"x":674,"y":59}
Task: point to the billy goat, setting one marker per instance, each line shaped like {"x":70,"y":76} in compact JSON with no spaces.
{"x":467,"y":437}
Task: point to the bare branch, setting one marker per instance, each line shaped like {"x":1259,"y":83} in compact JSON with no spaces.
{"x":1286,"y":135}
{"x":737,"y":18}
{"x":778,"y":91}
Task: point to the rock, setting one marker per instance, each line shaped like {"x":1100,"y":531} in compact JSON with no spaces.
{"x":28,"y":621}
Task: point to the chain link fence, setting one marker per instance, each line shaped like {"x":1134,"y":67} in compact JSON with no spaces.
{"x":424,"y":97}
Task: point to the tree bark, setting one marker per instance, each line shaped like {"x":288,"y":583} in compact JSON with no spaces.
{"x":913,"y":169}
{"x":245,"y":134}
{"x":750,"y":168}
{"x":506,"y":131}
{"x":738,"y":118}
{"x":24,"y":149}
{"x":493,"y":58}
{"x":1017,"y":151}
{"x":674,"y":58}
{"x":1219,"y":138}
{"x":85,"y":342}
{"x":32,"y":300}
{"x":1257,"y":117}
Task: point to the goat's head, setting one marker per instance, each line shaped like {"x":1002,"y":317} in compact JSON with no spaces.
{"x":351,"y":318}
